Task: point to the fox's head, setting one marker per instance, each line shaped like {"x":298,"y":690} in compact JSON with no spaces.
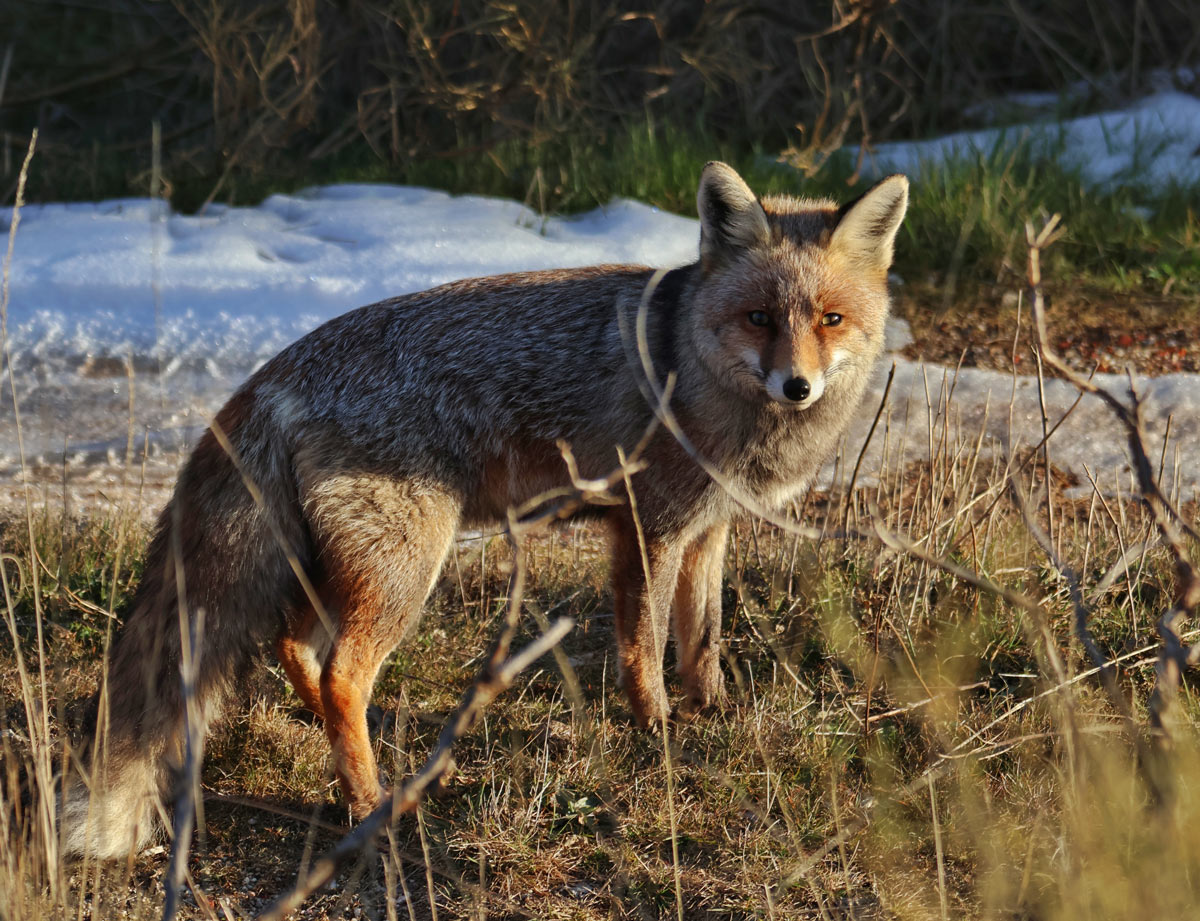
{"x":793,"y":292}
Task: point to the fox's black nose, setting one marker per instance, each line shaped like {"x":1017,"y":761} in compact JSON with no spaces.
{"x":796,"y":388}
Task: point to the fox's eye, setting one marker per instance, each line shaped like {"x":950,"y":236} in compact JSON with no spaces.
{"x":831,"y":319}
{"x":759,"y":318}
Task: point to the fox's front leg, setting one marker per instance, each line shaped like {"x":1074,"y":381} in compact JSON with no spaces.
{"x":642,"y":607}
{"x":697,"y":620}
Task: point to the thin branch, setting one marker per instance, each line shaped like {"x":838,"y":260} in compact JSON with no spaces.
{"x":497,"y":675}
{"x":1174,"y":655}
{"x":883,"y":402}
{"x":1082,"y":611}
{"x":656,"y":395}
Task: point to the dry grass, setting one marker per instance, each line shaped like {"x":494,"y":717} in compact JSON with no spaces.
{"x":870,"y":688}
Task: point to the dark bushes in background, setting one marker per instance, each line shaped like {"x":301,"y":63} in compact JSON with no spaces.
{"x":240,"y":87}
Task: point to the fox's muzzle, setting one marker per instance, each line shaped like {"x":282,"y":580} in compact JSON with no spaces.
{"x":797,"y":389}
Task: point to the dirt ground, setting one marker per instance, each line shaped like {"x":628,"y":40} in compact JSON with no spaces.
{"x":1092,"y":329}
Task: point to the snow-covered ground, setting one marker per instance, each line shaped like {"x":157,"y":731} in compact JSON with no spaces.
{"x":1151,"y":144}
{"x":191,"y":304}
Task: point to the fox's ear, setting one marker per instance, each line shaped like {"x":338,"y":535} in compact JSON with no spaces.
{"x":866,"y":227}
{"x":730,"y":216}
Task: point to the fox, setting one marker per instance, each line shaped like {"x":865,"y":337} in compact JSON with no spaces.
{"x":316,"y":511}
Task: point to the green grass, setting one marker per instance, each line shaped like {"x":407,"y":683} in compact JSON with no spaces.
{"x":966,"y":220}
{"x":83,"y":569}
{"x":963,"y":234}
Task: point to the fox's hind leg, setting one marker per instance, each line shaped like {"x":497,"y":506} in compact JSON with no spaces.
{"x":697,"y":620}
{"x":381,"y":544}
{"x":302,"y":648}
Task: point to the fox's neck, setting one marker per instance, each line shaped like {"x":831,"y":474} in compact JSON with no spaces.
{"x":770,"y":448}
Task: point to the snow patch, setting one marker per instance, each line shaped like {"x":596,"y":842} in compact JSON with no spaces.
{"x":1153,"y":142}
{"x":121,"y":303}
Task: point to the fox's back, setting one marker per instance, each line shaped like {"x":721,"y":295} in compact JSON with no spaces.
{"x":465,"y":373}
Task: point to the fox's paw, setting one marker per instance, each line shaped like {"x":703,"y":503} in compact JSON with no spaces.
{"x":647,"y":696}
{"x":440,"y":786}
{"x":364,"y":804}
{"x":691,"y":707}
{"x":651,"y":716}
{"x":702,"y":695}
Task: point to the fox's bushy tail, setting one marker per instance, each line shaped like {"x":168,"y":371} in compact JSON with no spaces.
{"x":214,"y":549}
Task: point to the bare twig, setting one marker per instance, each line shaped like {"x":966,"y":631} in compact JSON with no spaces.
{"x":188,"y":799}
{"x":497,"y":675}
{"x":1174,"y":655}
{"x":664,"y":721}
{"x":883,"y":402}
{"x":1082,"y":611}
{"x":902,"y":544}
